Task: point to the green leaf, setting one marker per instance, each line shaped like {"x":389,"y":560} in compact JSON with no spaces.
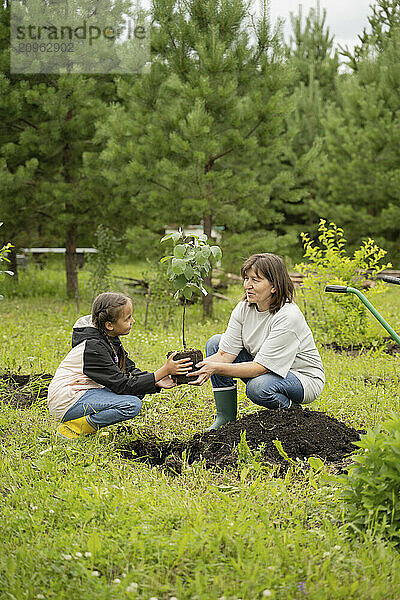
{"x":216,"y":252}
{"x":189,"y":272}
{"x":187,"y":292}
{"x":178,"y":266}
{"x":201,"y":258}
{"x":179,"y":282}
{"x":165,"y":258}
{"x":315,"y":463}
{"x":179,"y":251}
{"x":166,"y":238}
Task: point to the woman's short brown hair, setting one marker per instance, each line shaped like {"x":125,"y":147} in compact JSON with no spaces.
{"x":274,"y":269}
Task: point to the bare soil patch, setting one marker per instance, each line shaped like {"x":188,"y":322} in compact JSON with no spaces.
{"x":302,"y":432}
{"x":21,"y":391}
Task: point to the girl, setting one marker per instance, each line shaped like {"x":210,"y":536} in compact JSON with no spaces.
{"x":97,"y":384}
{"x":267,"y":344}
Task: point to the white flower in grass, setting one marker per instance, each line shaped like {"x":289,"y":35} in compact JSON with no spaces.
{"x":267,"y":594}
{"x":51,"y":511}
{"x":116,"y":580}
{"x":173,"y":598}
{"x":88,"y":554}
{"x":40,"y":596}
{"x":337,"y":547}
{"x":78,"y":554}
{"x":132,"y":588}
{"x":95,"y":574}
{"x":326,"y":554}
{"x":66,"y":556}
{"x":153,"y":598}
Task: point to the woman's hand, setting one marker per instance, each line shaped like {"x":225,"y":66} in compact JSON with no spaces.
{"x":166,"y":383}
{"x":204,"y":373}
{"x":178,"y":367}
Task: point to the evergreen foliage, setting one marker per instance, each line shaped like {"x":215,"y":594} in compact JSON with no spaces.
{"x":48,"y":189}
{"x":358,"y":179}
{"x":204,"y":133}
{"x":383,"y":22}
{"x":315,"y":62}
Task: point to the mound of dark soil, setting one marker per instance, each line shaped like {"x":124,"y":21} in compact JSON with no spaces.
{"x":302,"y":432}
{"x":21,"y":391}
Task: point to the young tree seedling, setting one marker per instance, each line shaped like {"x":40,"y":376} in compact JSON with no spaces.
{"x":190,"y":261}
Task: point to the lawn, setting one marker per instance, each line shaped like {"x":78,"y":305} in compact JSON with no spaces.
{"x":78,"y":520}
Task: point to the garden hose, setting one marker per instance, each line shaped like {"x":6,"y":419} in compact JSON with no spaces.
{"x":342,"y":289}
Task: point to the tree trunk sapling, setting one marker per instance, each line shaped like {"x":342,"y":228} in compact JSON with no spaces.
{"x":188,"y":266}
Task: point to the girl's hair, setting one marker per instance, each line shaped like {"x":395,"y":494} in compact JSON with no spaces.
{"x":107,"y":307}
{"x":274,"y":269}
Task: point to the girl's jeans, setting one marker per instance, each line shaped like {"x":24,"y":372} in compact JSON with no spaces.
{"x":269,"y":390}
{"x":102,"y":407}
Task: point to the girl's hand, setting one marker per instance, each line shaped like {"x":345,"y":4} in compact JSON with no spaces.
{"x":178,"y":367}
{"x":207,"y":369}
{"x":166,"y":383}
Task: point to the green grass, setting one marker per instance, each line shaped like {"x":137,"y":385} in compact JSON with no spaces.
{"x":202,"y":535}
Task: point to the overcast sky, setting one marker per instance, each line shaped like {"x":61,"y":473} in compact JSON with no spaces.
{"x":345,"y":18}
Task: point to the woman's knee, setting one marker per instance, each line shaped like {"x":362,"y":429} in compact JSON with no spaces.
{"x":212,"y":345}
{"x":254,"y":390}
{"x":265,"y":393}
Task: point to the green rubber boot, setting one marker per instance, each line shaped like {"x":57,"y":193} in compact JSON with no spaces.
{"x":226,"y":405}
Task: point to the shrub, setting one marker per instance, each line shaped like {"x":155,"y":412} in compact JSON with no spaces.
{"x":3,"y":258}
{"x":338,"y":317}
{"x":371,"y":488}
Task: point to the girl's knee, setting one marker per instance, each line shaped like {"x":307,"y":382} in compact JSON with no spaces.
{"x":212,"y":345}
{"x":132,"y":407}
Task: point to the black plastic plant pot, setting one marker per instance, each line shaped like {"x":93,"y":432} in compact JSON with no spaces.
{"x":195,"y":356}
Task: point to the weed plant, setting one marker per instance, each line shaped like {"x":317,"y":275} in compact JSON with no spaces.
{"x":80,"y":521}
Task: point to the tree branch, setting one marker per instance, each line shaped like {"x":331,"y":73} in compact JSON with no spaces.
{"x":160,"y":184}
{"x":212,"y":159}
{"x":28,"y":123}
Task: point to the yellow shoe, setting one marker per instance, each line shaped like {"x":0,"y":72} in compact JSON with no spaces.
{"x":75,"y":428}
{"x":64,"y":432}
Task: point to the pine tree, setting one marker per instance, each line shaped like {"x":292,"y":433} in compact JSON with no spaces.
{"x":200,"y":135}
{"x":46,"y":142}
{"x":359,"y":179}
{"x":311,"y":54}
{"x":385,"y":19}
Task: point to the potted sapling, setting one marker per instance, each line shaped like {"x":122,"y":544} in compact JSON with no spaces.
{"x":188,"y":264}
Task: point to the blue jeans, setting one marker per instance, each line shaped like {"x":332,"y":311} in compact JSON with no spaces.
{"x":268,"y":390}
{"x":102,"y":407}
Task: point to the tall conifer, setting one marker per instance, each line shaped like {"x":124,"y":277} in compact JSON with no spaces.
{"x":201,"y":137}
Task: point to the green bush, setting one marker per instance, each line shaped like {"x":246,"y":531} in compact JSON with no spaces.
{"x":3,"y":258}
{"x":371,"y":488}
{"x":338,"y":317}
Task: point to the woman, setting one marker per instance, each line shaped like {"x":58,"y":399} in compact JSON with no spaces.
{"x":267,"y":344}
